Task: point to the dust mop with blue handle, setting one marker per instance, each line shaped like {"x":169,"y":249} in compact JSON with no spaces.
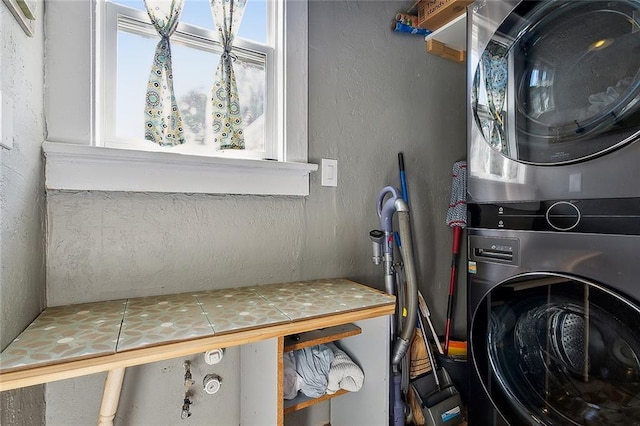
{"x":457,"y":219}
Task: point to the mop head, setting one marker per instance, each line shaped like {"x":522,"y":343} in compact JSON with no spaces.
{"x":457,"y":214}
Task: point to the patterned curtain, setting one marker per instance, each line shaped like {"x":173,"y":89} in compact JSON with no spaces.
{"x":163,"y":123}
{"x":496,"y":68}
{"x":227,"y":120}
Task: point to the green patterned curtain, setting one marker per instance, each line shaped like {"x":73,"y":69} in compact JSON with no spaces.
{"x":227,"y":119}
{"x":163,"y":123}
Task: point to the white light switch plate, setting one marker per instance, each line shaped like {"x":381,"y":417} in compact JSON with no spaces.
{"x":329,"y":172}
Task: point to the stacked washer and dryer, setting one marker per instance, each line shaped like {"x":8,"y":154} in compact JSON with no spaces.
{"x":554,"y":212}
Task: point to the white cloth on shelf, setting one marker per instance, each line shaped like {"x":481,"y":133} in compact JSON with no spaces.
{"x":312,"y":364}
{"x":343,"y":373}
{"x":292,"y":380}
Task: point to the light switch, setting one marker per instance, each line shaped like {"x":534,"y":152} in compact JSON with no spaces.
{"x":6,"y":121}
{"x":329,"y":172}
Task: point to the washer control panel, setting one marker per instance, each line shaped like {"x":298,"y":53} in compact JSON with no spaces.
{"x":601,"y":216}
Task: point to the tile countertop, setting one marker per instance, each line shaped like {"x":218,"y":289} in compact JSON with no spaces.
{"x":65,"y":333}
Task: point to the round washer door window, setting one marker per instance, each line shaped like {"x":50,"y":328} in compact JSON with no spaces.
{"x":559,"y":82}
{"x":553,"y":349}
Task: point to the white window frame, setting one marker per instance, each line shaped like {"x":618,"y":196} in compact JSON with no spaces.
{"x":75,"y":155}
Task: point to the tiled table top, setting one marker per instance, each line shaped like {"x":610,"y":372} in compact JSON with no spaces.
{"x":66,"y":332}
{"x":72,"y":332}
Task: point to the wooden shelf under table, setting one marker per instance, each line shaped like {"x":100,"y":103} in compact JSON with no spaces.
{"x":311,"y":338}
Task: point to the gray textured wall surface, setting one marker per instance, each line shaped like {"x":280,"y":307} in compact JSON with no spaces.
{"x":375,"y":93}
{"x":372,"y":94}
{"x":22,"y":270}
{"x":104,"y":246}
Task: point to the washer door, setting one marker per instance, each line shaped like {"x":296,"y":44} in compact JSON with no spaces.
{"x":554,"y":349}
{"x":559,"y":82}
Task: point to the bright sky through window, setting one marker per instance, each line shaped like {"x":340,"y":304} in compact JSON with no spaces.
{"x":197,"y":12}
{"x":193,"y":74}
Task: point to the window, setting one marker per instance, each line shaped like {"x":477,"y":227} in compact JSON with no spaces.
{"x":106,"y":138}
{"x":196,"y":52}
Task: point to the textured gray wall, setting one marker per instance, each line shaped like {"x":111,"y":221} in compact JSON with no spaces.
{"x":373,"y":93}
{"x":22,"y":270}
{"x":105,"y":246}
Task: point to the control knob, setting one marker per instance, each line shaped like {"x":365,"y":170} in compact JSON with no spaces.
{"x":563,"y":216}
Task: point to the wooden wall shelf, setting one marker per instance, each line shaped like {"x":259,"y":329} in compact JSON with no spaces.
{"x":450,"y":40}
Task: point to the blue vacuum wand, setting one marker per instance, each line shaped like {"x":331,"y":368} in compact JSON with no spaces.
{"x":403,"y":178}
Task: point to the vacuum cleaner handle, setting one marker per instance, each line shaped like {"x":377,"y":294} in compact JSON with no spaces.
{"x":404,"y":339}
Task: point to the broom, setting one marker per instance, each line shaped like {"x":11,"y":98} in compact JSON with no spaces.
{"x":457,"y":219}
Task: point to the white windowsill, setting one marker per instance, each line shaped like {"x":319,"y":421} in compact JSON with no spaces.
{"x":82,"y":167}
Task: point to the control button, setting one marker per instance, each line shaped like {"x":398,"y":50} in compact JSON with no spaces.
{"x":563,"y":216}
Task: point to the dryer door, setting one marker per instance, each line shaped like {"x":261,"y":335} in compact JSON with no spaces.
{"x":559,"y":81}
{"x":555,"y":349}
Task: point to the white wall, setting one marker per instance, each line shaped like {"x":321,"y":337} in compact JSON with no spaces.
{"x":22,"y":269}
{"x":373,"y":93}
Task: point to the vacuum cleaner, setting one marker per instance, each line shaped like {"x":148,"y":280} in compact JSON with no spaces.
{"x":392,"y":202}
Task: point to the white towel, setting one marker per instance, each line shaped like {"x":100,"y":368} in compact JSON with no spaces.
{"x":344,"y":373}
{"x":313,"y":364}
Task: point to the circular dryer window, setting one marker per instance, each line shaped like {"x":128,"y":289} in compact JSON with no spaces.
{"x":554,"y":349}
{"x":559,"y":81}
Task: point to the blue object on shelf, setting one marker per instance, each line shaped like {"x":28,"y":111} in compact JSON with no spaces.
{"x":404,"y":28}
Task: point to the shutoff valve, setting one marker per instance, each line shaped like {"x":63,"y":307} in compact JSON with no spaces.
{"x":213,"y":356}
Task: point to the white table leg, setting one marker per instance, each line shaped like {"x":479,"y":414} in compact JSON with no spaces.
{"x":111,"y":396}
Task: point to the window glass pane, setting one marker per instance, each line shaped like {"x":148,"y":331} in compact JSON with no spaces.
{"x":192,"y":85}
{"x":254,"y":21}
{"x":193,"y":71}
{"x":194,"y":12}
{"x":251,"y":91}
{"x":198,"y":12}
{"x":135,"y":54}
{"x":136,"y":4}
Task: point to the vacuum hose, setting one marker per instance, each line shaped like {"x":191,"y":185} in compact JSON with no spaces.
{"x":406,"y":248}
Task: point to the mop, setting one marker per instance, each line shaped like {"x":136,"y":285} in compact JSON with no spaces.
{"x":457,"y":219}
{"x":435,"y":394}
